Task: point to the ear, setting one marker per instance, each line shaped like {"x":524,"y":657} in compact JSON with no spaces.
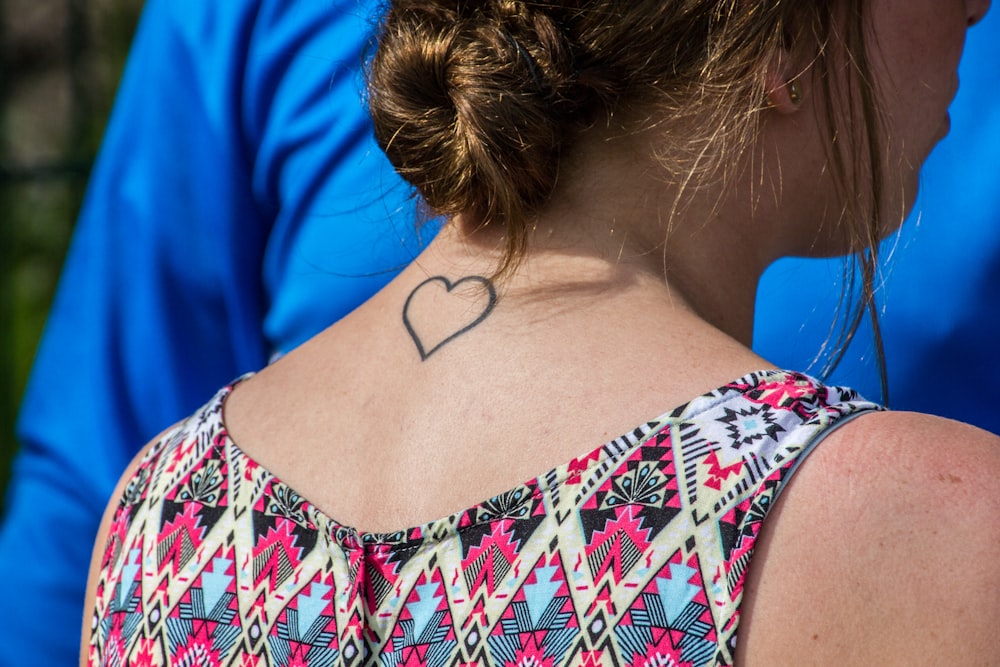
{"x":784,"y":85}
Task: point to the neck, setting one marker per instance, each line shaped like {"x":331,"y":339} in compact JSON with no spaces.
{"x":692,"y":283}
{"x":616,"y":227}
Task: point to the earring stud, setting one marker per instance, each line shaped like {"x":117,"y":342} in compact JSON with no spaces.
{"x":794,"y":92}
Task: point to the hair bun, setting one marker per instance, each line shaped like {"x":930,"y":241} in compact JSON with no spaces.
{"x":470,"y":102}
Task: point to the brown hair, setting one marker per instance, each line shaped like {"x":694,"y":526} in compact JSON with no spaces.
{"x":476,"y":102}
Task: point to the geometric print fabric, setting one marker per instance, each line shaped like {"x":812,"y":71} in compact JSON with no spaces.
{"x":632,"y":555}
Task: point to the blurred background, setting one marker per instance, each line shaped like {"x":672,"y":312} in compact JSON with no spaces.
{"x":60,"y":61}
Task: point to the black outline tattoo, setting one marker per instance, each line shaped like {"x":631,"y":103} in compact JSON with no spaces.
{"x":449,"y":286}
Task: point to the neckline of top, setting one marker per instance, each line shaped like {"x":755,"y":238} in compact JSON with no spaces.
{"x":513,"y":503}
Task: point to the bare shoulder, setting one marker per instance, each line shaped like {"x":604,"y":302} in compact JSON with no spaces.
{"x":881,"y":550}
{"x":905,"y":456}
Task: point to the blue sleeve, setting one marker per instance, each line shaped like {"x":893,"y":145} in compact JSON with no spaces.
{"x":941,"y":299}
{"x":235,"y":210}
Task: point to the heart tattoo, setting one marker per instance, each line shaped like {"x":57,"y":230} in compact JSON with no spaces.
{"x":434,"y":317}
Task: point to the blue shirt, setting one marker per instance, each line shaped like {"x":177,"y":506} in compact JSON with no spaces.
{"x":239,"y":205}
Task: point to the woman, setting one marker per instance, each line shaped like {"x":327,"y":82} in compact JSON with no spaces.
{"x":615,"y":177}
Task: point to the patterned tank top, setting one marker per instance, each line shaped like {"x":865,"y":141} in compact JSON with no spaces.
{"x":633,"y":554}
